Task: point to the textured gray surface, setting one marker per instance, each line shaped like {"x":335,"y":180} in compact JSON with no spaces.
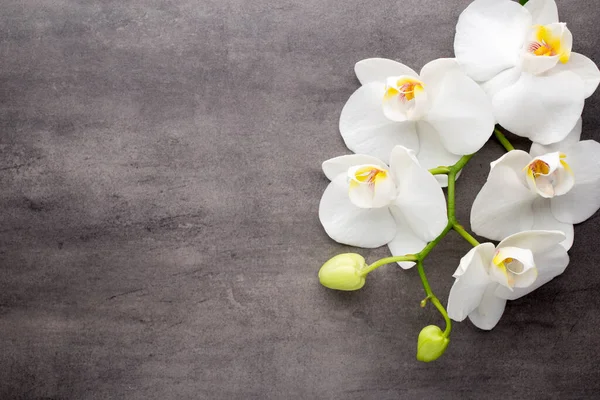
{"x":160,"y":177}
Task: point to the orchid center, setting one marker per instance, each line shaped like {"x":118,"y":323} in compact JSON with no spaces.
{"x":404,"y":98}
{"x":550,"y":175}
{"x":370,"y":186}
{"x":513,"y":267}
{"x":546,"y":46}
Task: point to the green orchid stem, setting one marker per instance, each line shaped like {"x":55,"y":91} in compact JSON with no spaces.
{"x":503,"y":140}
{"x":451,"y":171}
{"x":462,"y":232}
{"x":388,"y":260}
{"x":431,"y":297}
{"x":523,"y":2}
{"x":440,"y":171}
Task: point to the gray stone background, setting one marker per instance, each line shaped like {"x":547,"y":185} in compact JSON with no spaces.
{"x":160,"y":179}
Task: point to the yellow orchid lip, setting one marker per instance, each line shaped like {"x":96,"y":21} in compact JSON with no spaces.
{"x":515,"y":265}
{"x":547,"y":43}
{"x":550,"y":175}
{"x":368,"y":174}
{"x":405,"y":89}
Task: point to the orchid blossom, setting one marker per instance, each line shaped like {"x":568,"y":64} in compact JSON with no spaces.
{"x":368,"y":204}
{"x":553,"y":187}
{"x":488,"y":276}
{"x":440,"y":113}
{"x":522,"y":56}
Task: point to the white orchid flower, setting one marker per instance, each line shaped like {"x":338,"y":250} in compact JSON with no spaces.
{"x":488,"y":276}
{"x":553,"y":187}
{"x":522,"y":57}
{"x":441,"y":114}
{"x":368,"y":204}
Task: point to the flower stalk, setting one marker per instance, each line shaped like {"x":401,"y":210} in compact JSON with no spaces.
{"x":503,"y":140}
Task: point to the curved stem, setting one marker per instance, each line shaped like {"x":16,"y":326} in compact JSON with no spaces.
{"x":503,"y":140}
{"x":462,"y":232}
{"x":439,"y":170}
{"x":433,"y":299}
{"x":388,"y":260}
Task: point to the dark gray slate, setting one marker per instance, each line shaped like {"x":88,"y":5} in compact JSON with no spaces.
{"x":160,"y":178}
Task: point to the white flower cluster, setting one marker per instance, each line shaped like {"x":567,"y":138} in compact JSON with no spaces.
{"x":513,"y":66}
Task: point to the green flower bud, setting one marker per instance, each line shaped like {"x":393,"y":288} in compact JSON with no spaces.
{"x":342,"y":272}
{"x":432,"y":344}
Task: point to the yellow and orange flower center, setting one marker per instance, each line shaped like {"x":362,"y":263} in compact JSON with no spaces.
{"x":404,"y":88}
{"x":538,"y":167}
{"x":368,"y":175}
{"x":547,"y":43}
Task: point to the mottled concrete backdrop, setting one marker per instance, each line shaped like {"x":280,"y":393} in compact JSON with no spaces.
{"x":159,"y":184}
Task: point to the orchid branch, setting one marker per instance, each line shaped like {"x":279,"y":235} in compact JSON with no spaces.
{"x":503,"y":140}
{"x":433,"y":298}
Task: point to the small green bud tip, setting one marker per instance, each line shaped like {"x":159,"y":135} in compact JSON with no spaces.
{"x":432,"y":344}
{"x":343,"y":272}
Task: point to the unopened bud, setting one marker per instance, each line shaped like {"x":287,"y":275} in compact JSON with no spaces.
{"x":431,"y":344}
{"x":343,"y":272}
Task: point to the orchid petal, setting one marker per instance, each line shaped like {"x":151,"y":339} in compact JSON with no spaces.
{"x":504,"y":204}
{"x":432,"y":152}
{"x":583,"y":200}
{"x":490,"y":310}
{"x":345,"y":223}
{"x":461,"y":111}
{"x":471,"y":282}
{"x":579,"y":204}
{"x":378,"y":69}
{"x":366,"y":130}
{"x":543,"y":219}
{"x":340,"y":165}
{"x":536,"y":241}
{"x":434,"y":72}
{"x":419,"y":197}
{"x":406,"y":241}
{"x":504,"y":79}
{"x":583,"y":67}
{"x":572,"y":138}
{"x":543,"y":12}
{"x":489,"y":37}
{"x":543,"y":108}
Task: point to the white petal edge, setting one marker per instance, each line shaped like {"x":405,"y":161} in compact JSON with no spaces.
{"x":461,"y":112}
{"x":366,"y":130}
{"x":471,"y":281}
{"x":377,"y":69}
{"x":536,"y":241}
{"x":583,"y":67}
{"x":490,"y":310}
{"x":405,"y":242}
{"x":572,"y":138}
{"x":489,"y":37}
{"x":347,"y":224}
{"x":542,"y":108}
{"x":432,"y":152}
{"x":583,"y":200}
{"x":543,"y":12}
{"x":543,"y":219}
{"x":504,"y":204}
{"x":420,"y":198}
